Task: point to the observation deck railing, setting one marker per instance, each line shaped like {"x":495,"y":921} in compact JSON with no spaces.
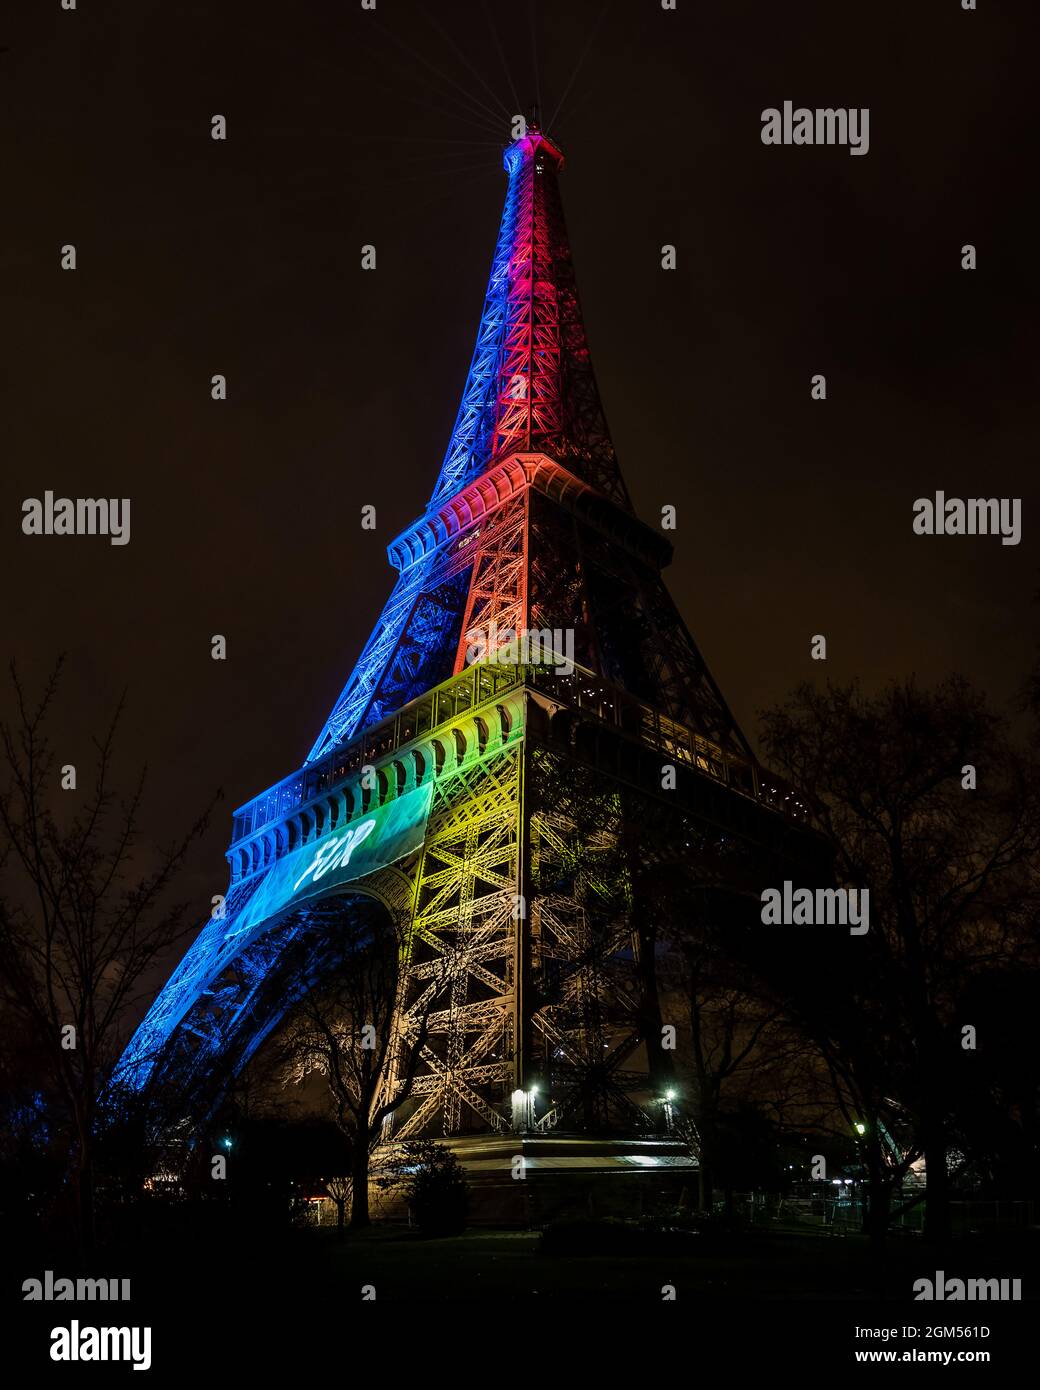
{"x":482,"y":684}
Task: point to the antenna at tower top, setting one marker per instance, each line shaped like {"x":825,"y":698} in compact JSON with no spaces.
{"x":532,"y":118}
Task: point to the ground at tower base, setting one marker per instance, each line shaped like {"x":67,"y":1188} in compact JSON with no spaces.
{"x":761,"y":1255}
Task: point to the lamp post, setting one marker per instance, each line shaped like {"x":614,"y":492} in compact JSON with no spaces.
{"x":669,"y":1111}
{"x":523,"y":1109}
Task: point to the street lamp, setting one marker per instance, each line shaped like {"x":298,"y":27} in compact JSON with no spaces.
{"x":523,"y":1110}
{"x":669,"y":1111}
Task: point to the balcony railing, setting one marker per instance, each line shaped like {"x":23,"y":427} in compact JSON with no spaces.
{"x":482,"y":683}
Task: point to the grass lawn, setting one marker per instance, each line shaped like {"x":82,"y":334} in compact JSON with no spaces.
{"x":480,"y":1264}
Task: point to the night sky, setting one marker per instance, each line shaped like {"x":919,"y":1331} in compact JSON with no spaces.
{"x":199,"y":257}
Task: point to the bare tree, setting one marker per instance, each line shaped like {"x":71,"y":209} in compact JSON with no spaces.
{"x":736,"y":1037}
{"x":350,"y":1031}
{"x":928,"y":806}
{"x":84,"y":917}
{"x":338,"y":1189}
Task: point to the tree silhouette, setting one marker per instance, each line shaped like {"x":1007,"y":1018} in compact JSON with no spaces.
{"x":84,"y":917}
{"x":348,"y":1030}
{"x":930,"y":807}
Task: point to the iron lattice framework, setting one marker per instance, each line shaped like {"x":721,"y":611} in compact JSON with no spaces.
{"x":540,"y":788}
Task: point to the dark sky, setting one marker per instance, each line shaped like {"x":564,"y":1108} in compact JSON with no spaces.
{"x":243,"y":258}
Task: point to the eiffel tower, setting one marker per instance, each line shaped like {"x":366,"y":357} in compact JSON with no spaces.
{"x":506,"y":809}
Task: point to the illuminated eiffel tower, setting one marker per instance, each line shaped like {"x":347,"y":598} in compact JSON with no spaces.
{"x":506,"y":808}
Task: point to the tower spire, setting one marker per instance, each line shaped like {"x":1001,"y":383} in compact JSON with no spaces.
{"x":531,"y":386}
